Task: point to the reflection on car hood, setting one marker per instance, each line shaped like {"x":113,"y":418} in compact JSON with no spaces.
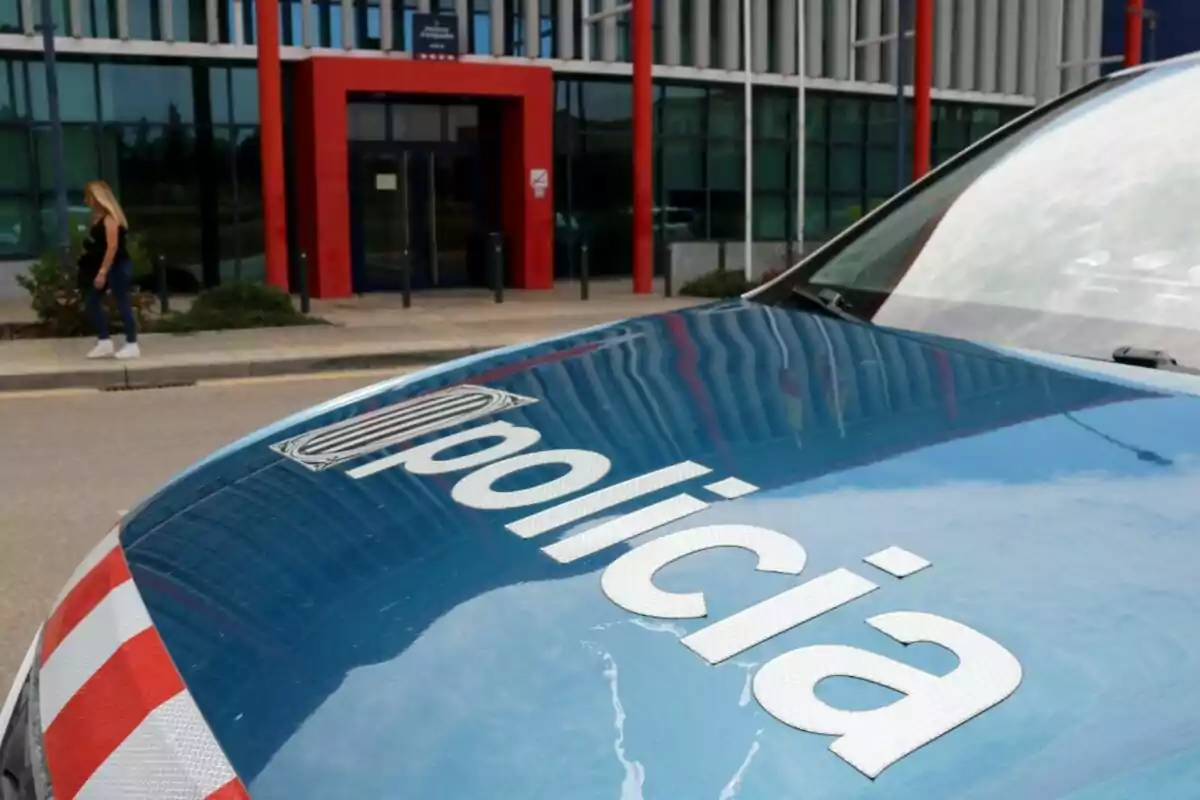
{"x":366,"y":631}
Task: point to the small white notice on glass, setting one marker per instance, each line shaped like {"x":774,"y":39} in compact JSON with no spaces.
{"x":385,"y":182}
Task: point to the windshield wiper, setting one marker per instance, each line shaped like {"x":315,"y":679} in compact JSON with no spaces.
{"x":828,"y":302}
{"x":1150,"y":359}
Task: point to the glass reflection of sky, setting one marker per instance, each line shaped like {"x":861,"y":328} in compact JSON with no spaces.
{"x":1093,"y":214}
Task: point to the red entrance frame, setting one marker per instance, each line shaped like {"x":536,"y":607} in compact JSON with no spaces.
{"x":322,"y":182}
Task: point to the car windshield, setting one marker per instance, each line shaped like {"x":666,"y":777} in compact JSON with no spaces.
{"x":1075,"y":230}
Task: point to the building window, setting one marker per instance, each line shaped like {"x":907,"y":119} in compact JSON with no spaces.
{"x":415,"y":122}
{"x":234,"y":95}
{"x":774,"y":165}
{"x":156,"y":179}
{"x":480,"y":30}
{"x":699,"y":189}
{"x":80,"y":149}
{"x":816,"y":163}
{"x":76,"y":92}
{"x":10,"y":21}
{"x":366,"y":122}
{"x":9,"y":107}
{"x":19,"y":233}
{"x":239,"y":204}
{"x":163,"y":93}
{"x":14,"y":169}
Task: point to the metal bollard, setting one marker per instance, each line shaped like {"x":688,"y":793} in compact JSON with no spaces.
{"x":497,"y":251}
{"x":406,"y":278}
{"x":664,"y":258}
{"x":160,"y":274}
{"x":583,"y":271}
{"x":305,"y":304}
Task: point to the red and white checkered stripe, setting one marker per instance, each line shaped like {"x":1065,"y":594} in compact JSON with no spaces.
{"x":116,"y":717}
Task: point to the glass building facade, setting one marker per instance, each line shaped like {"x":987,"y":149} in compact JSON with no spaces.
{"x":182,"y":151}
{"x":178,"y":142}
{"x":159,"y":98}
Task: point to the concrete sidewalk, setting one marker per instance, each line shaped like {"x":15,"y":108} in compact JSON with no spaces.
{"x":373,"y":331}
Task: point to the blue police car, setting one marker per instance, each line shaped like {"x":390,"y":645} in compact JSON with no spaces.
{"x":918,"y":519}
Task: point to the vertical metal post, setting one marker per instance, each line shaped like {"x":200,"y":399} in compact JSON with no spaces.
{"x":270,"y":114}
{"x":305,"y":305}
{"x":123,"y":20}
{"x":585,"y":31}
{"x":160,"y":271}
{"x":922,"y":83}
{"x":583,"y":271}
{"x":748,"y":139}
{"x":574,"y":234}
{"x":406,"y":276}
{"x":347,"y":24}
{"x":233,"y":177}
{"x":668,"y":285}
{"x":801,"y":125}
{"x":902,"y":25}
{"x":211,"y":23}
{"x":643,"y":148}
{"x":1134,"y":10}
{"x":56,"y":139}
{"x":497,"y":250}
{"x":166,"y":20}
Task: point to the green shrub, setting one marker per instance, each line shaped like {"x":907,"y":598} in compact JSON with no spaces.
{"x":725,"y":283}
{"x":59,"y":304}
{"x":235,"y":306}
{"x":718,"y":283}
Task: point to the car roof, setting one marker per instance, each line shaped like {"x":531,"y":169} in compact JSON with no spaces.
{"x":1139,"y":68}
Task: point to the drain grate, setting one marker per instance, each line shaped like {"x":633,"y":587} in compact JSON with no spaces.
{"x":135,"y":387}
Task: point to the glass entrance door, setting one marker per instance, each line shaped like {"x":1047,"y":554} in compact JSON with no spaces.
{"x":419,"y":204}
{"x":382,"y":238}
{"x":457,"y":210}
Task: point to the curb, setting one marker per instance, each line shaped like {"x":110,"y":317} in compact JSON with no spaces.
{"x":122,"y":377}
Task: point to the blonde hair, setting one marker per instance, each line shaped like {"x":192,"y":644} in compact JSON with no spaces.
{"x":102,"y":194}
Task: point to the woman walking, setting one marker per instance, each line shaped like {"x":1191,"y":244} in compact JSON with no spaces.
{"x":105,"y":266}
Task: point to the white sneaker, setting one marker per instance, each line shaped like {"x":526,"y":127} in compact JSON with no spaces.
{"x":103,"y":349}
{"x":129,"y":351}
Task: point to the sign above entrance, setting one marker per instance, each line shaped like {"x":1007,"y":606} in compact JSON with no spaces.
{"x":435,"y":37}
{"x":539,"y":180}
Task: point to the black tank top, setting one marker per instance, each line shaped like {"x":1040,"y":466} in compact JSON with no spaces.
{"x":96,"y":245}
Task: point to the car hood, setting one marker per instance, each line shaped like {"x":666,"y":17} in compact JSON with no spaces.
{"x":358,"y":617}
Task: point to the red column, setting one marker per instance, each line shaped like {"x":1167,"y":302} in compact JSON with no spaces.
{"x":922,"y":82}
{"x":270,"y":116}
{"x":643,"y":149}
{"x":1133,"y":32}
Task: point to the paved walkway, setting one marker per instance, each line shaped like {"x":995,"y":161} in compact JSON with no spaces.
{"x":368,"y":332}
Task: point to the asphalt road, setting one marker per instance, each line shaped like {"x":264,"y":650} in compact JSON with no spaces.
{"x":71,"y":460}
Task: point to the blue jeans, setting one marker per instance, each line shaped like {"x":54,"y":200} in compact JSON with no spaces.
{"x":120,"y":280}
